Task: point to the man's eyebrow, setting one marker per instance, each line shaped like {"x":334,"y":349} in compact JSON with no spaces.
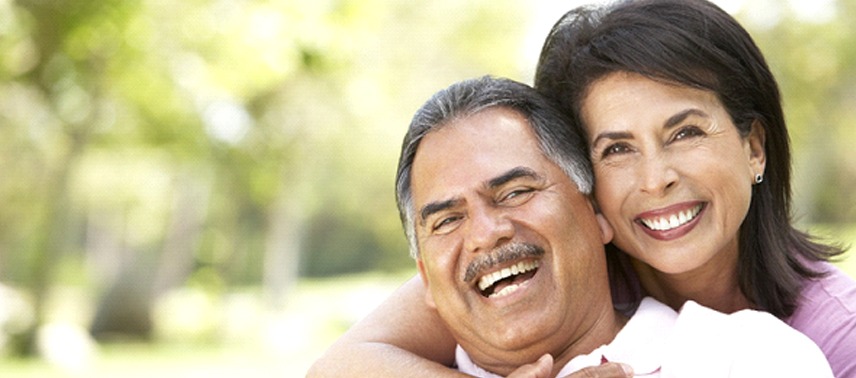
{"x":436,"y":207}
{"x":513,"y":174}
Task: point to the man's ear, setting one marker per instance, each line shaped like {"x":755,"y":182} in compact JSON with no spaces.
{"x":606,"y":231}
{"x":429,"y":299}
{"x":756,"y":144}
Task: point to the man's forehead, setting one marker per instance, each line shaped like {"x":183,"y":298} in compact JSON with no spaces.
{"x":477,"y":148}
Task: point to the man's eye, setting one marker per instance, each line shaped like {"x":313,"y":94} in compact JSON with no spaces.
{"x":445,"y":224}
{"x":516,"y":196}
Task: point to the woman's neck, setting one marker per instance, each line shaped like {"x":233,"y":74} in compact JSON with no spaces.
{"x":713,"y":285}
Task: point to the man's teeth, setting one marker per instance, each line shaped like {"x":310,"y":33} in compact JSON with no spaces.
{"x":489,"y":279}
{"x":673,"y":221}
{"x":505,"y":291}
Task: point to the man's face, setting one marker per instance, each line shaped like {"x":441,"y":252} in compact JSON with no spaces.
{"x":511,"y":251}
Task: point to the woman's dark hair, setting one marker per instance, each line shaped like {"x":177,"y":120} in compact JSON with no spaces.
{"x":696,"y":44}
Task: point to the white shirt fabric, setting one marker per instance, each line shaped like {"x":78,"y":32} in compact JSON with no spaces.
{"x":698,"y":342}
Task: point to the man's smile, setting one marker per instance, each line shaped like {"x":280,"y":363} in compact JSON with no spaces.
{"x":507,"y":280}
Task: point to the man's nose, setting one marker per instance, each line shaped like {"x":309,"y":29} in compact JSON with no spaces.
{"x":487,"y":228}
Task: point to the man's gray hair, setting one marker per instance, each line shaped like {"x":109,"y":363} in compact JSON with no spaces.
{"x":558,"y":139}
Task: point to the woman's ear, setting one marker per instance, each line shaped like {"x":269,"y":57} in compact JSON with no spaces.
{"x":756,"y":148}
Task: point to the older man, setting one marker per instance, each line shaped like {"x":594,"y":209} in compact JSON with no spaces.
{"x":509,"y":247}
{"x":492,"y":187}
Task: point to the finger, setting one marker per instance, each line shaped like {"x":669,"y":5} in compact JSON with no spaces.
{"x":607,"y":370}
{"x":542,"y":368}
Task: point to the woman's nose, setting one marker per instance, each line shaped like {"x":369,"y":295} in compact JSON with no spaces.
{"x":657,"y":174}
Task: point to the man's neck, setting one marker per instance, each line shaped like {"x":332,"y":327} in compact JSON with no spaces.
{"x":600,"y":328}
{"x":601,"y":333}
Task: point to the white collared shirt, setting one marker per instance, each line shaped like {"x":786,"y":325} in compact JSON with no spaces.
{"x":698,"y":342}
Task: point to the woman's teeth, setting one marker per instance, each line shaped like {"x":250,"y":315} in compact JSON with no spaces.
{"x":673,"y":221}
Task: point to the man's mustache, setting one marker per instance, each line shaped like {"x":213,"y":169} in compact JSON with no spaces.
{"x":504,"y":253}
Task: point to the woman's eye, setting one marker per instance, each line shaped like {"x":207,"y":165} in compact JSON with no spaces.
{"x":688,"y":132}
{"x":613,"y":149}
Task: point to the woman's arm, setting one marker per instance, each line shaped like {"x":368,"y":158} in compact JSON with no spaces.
{"x":402,"y":337}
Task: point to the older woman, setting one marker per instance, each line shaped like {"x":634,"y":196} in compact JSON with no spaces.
{"x":692,"y":169}
{"x":692,"y":164}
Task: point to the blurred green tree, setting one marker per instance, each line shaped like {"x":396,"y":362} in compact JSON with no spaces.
{"x":243,"y":143}
{"x":812,"y":50}
{"x":148,"y":140}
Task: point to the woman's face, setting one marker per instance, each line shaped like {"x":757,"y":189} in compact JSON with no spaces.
{"x":672,"y":174}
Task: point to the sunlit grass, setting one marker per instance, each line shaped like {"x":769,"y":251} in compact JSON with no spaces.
{"x":239,"y":336}
{"x":164,"y":360}
{"x":236,"y":335}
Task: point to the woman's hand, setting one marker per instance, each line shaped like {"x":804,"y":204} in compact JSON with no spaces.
{"x":607,"y":370}
{"x":543,"y":368}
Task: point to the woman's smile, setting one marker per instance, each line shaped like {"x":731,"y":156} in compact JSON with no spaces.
{"x":671,"y":222}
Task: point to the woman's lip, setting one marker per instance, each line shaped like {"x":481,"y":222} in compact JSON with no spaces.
{"x":667,"y":212}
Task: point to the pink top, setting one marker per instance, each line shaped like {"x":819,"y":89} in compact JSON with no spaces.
{"x":826,"y":313}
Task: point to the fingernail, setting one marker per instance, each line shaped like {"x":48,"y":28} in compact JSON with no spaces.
{"x":627,"y":370}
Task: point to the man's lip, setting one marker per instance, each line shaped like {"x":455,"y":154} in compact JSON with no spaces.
{"x":504,"y":256}
{"x":656,"y":223}
{"x":499,"y":273}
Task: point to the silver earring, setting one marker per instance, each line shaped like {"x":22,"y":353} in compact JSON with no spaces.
{"x":759,"y":178}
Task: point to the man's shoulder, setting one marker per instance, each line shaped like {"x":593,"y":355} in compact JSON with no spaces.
{"x":758,"y":326}
{"x":744,"y":343}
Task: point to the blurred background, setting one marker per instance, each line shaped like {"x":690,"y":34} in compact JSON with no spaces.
{"x":204,"y":188}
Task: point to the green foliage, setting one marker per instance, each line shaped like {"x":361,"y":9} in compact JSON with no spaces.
{"x":221,"y":143}
{"x":149,"y":142}
{"x":815,"y":63}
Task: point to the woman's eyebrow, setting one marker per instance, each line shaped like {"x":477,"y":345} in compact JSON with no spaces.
{"x":614,"y":135}
{"x":681,"y":116}
{"x":670,"y":123}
